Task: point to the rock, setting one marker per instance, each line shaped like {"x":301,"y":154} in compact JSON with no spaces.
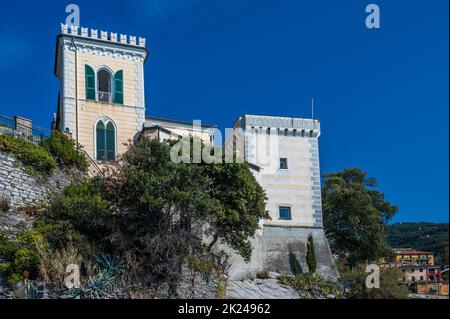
{"x":260,"y":289}
{"x":274,"y":275}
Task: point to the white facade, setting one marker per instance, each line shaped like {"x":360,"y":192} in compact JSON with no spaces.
{"x":286,"y":151}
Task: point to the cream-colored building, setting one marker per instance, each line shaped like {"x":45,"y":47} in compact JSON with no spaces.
{"x":101,"y":102}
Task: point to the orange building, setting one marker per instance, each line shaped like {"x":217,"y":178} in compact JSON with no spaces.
{"x":414,"y":258}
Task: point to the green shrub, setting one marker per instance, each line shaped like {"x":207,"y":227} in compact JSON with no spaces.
{"x":20,"y":256}
{"x":33,"y":157}
{"x":5,"y":204}
{"x":63,"y":148}
{"x":78,"y":213}
{"x":311,"y":255}
{"x":296,"y":268}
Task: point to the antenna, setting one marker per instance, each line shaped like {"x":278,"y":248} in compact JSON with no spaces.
{"x":312,"y":108}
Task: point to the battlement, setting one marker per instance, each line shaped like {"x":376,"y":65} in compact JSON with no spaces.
{"x":291,"y":124}
{"x":103,"y":35}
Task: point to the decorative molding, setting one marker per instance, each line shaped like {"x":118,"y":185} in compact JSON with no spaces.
{"x":104,"y":49}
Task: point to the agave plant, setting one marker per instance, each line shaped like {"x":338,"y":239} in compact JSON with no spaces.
{"x":108,"y":283}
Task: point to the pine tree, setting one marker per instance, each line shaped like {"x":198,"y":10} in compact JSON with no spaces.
{"x":311,"y":255}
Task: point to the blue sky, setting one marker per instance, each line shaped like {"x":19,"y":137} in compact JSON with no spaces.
{"x":382,"y":95}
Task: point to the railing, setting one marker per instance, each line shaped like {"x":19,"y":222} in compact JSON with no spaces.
{"x":105,"y":97}
{"x":94,"y":165}
{"x":9,"y":127}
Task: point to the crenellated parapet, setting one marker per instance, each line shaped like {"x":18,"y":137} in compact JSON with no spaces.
{"x":103,"y":35}
{"x":290,"y":125}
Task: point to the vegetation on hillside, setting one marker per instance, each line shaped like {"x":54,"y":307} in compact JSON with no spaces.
{"x":59,"y":149}
{"x":34,"y":157}
{"x":148,"y":213}
{"x":421,"y":236}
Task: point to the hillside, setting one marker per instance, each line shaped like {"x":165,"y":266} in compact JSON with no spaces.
{"x":421,"y":236}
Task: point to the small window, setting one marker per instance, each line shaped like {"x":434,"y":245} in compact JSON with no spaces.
{"x":285,"y":213}
{"x":413,"y":279}
{"x":403,"y":270}
{"x":286,"y":132}
{"x":421,"y":278}
{"x":412,"y":269}
{"x":283,"y":163}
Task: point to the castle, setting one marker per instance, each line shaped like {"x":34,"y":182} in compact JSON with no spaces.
{"x":102,"y":106}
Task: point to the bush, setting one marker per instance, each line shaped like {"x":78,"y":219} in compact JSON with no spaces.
{"x":33,"y":157}
{"x":311,"y":255}
{"x":311,"y":286}
{"x":5,"y":204}
{"x":63,"y":148}
{"x":21,"y":255}
{"x":391,"y":286}
{"x":78,"y":215}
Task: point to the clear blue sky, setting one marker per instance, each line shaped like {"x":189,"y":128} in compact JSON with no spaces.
{"x":382,"y":95}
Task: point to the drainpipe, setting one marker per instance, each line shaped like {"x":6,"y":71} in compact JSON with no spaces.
{"x":76,"y":91}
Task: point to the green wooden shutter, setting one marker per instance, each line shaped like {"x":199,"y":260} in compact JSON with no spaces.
{"x":110,"y":141}
{"x":118,"y":87}
{"x":90,"y":82}
{"x":101,"y":142}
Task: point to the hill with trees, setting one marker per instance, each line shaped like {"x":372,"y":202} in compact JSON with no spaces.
{"x":421,"y":236}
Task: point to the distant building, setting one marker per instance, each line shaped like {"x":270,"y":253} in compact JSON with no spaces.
{"x":414,"y":257}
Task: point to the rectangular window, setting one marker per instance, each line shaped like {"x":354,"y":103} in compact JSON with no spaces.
{"x":421,"y":278}
{"x":285,"y":213}
{"x":412,"y":269}
{"x":283,"y":163}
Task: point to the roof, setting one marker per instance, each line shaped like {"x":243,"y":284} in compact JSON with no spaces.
{"x":414,"y":252}
{"x":176,"y":121}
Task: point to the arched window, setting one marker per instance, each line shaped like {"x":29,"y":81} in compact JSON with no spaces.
{"x":104,"y":85}
{"x":106,"y":140}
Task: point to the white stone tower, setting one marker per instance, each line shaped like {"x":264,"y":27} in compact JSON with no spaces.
{"x":101,"y":101}
{"x":284,"y":153}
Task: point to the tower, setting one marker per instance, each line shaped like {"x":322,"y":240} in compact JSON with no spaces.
{"x":283,"y":153}
{"x":101,"y":102}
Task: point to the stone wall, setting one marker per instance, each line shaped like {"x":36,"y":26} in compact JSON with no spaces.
{"x":274,"y":249}
{"x":194,"y":285}
{"x":23,"y":188}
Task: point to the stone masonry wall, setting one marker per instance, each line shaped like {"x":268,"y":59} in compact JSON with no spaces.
{"x":23,"y":188}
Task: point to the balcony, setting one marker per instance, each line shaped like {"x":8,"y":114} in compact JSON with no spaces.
{"x":106,"y":97}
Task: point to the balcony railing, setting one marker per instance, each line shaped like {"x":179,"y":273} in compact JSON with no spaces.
{"x":9,"y":127}
{"x":105,"y":97}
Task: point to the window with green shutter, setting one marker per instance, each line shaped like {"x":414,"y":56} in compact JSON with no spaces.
{"x":90,"y":82}
{"x":118,"y":87}
{"x":106,"y":140}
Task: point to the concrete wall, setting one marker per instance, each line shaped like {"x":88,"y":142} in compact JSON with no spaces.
{"x":273,"y":249}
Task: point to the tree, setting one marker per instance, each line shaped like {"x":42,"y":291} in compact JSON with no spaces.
{"x":240,"y":206}
{"x":355,"y":215}
{"x":165,"y":208}
{"x":391,"y":286}
{"x":311,"y":255}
